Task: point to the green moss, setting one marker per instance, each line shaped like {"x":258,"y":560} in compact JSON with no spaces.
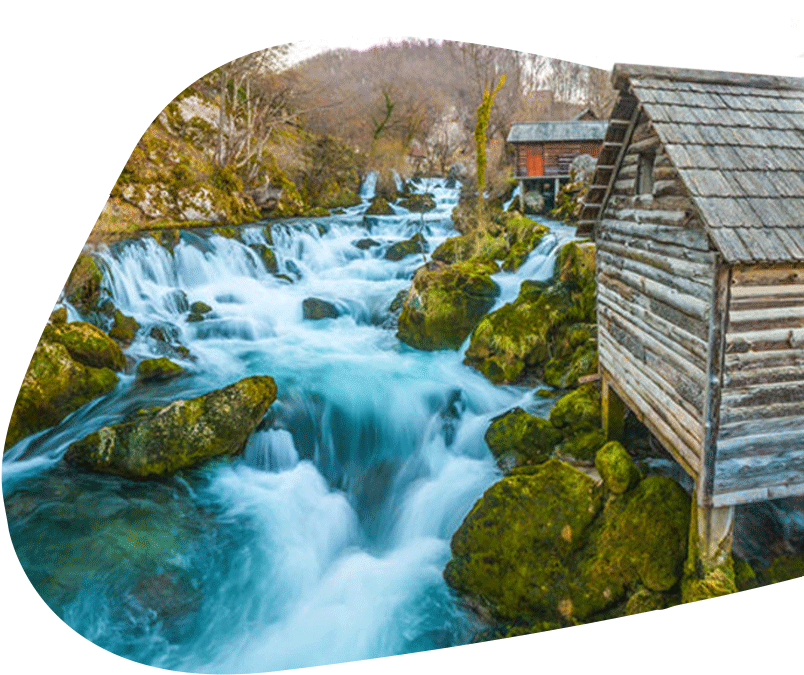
{"x":512,"y":553}
{"x":87,"y":344}
{"x":200,"y":307}
{"x":158,"y":370}
{"x":124,"y":328}
{"x":785,"y":567}
{"x":518,"y":438}
{"x":645,"y":600}
{"x":421,"y":202}
{"x":616,"y":468}
{"x":226,"y":232}
{"x":417,"y":244}
{"x":58,"y":316}
{"x":83,"y":287}
{"x":379,"y":207}
{"x":445,"y":303}
{"x":267,"y":256}
{"x":577,"y":416}
{"x":182,"y":434}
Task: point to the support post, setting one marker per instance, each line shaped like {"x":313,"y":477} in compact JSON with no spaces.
{"x":613,"y":410}
{"x":521,"y":196}
{"x":715,"y":527}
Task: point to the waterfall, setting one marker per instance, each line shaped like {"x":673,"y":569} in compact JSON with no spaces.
{"x":326,"y":541}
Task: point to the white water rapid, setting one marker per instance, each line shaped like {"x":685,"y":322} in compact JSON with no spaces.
{"x":326,"y":541}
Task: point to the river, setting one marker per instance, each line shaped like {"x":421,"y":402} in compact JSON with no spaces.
{"x":325,"y":542}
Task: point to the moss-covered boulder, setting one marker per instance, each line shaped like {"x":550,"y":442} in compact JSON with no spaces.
{"x":523,"y":235}
{"x":539,"y":335}
{"x":73,"y":364}
{"x":480,"y":246}
{"x":198,"y":311}
{"x":512,"y":554}
{"x":641,"y":541}
{"x":158,"y":370}
{"x":180,"y":435}
{"x":124,"y":328}
{"x":267,"y":256}
{"x":83,"y":287}
{"x":445,"y":303}
{"x":616,"y":468}
{"x":785,"y":567}
{"x":518,"y":438}
{"x":58,"y":316}
{"x":417,"y":244}
{"x":366,"y":243}
{"x":577,"y":416}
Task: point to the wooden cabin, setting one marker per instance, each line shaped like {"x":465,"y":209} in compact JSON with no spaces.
{"x":697,"y":210}
{"x":544,"y":151}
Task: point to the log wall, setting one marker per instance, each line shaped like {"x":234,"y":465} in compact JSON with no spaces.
{"x":655,"y":297}
{"x":760,"y":446}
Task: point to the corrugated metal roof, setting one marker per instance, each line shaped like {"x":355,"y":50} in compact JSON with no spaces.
{"x":737,"y":141}
{"x":540,"y":132}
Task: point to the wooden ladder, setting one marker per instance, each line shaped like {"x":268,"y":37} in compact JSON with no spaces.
{"x":618,"y":135}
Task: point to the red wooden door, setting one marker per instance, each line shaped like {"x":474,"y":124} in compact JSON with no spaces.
{"x":535,"y":163}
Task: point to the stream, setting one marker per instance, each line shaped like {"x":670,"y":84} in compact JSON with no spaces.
{"x":326,"y":540}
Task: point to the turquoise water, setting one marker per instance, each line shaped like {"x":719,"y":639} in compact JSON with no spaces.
{"x":325,"y":542}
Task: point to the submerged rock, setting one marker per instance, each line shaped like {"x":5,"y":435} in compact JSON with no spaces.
{"x":445,"y":303}
{"x":366,"y":243}
{"x":267,"y":256}
{"x":420,"y":202}
{"x":314,"y":309}
{"x":183,"y":434}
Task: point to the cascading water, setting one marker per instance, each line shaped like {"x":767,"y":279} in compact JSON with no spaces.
{"x":325,"y":542}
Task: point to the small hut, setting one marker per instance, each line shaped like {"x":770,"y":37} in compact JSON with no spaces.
{"x":697,"y":210}
{"x":544,"y":151}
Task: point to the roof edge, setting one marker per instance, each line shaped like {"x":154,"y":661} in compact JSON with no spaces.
{"x":624,"y":72}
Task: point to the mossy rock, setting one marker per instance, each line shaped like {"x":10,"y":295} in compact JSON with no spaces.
{"x":710,"y":584}
{"x":645,"y":600}
{"x":785,"y":567}
{"x":477,"y":245}
{"x":198,"y":311}
{"x":366,"y":243}
{"x":418,"y":203}
{"x":87,"y":344}
{"x":523,"y":235}
{"x":183,"y":434}
{"x":399,"y":300}
{"x":512,"y":554}
{"x":314,"y":309}
{"x":124,"y":328}
{"x":417,"y":244}
{"x":744,"y":576}
{"x":54,"y":386}
{"x":530,"y":336}
{"x":379,"y":207}
{"x":158,"y":370}
{"x":576,"y":262}
{"x":58,"y":317}
{"x":227,"y":232}
{"x":518,"y":438}
{"x":83,"y":287}
{"x":445,"y":303}
{"x":267,"y":256}
{"x":616,"y":468}
{"x":641,"y":541}
{"x":577,"y":416}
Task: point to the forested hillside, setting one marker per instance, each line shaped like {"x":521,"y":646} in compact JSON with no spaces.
{"x":258,"y":138}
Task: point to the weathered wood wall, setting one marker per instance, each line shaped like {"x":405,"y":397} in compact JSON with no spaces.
{"x":760,"y":447}
{"x":557,"y":157}
{"x":655,"y":292}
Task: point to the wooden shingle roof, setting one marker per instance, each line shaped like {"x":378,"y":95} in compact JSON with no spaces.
{"x":737,"y":141}
{"x":541,"y":132}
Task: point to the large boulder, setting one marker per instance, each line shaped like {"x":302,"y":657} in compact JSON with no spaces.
{"x":158,"y":370}
{"x":548,"y":332}
{"x":185,"y":433}
{"x":445,"y":303}
{"x":577,"y":416}
{"x":314,"y":309}
{"x":73,"y":364}
{"x":541,"y":546}
{"x":512,"y":554}
{"x":83,"y":287}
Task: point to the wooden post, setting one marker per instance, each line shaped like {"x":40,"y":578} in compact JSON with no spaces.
{"x":613,"y":410}
{"x":521,"y":196}
{"x":715,"y":534}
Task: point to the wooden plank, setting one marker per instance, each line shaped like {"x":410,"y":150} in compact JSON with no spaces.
{"x":660,"y":248}
{"x":766,"y":411}
{"x":670,"y":264}
{"x":761,"y":427}
{"x":655,"y":390}
{"x":686,"y":380}
{"x":693,"y":287}
{"x":721,"y":284}
{"x":691,"y":307}
{"x":762,"y":318}
{"x":764,"y":340}
{"x":774,"y":442}
{"x":759,"y":471}
{"x":688,"y":337}
{"x":761,"y":494}
{"x":737,"y":378}
{"x":748,"y":361}
{"x":669,"y":234}
{"x":764,"y":394}
{"x":768,"y":275}
{"x":655,"y":419}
